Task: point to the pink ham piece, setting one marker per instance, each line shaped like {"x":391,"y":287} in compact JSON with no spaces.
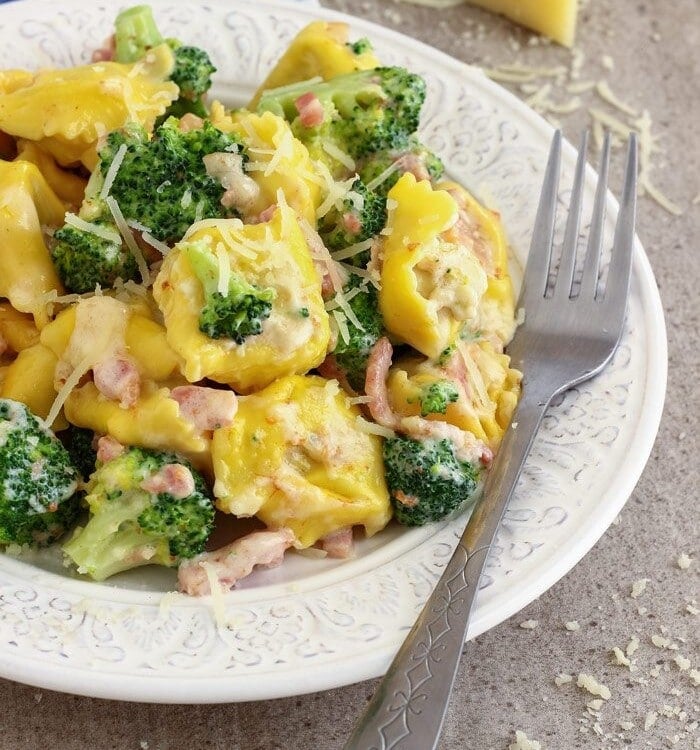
{"x":338,"y":544}
{"x":310,"y":110}
{"x":108,"y":448}
{"x":106,"y":52}
{"x":206,"y":408}
{"x":189,"y":122}
{"x":378,"y":364}
{"x":234,"y":561}
{"x":175,"y":479}
{"x":117,"y":379}
{"x":467,"y":446}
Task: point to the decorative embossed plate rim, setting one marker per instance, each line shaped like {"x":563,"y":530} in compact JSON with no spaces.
{"x":318,"y":626}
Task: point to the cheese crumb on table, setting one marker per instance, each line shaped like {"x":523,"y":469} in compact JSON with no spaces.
{"x":523,"y":743}
{"x":683,"y":561}
{"x":638,"y":587}
{"x":619,"y":658}
{"x":589,"y":683}
{"x":572,"y":625}
{"x":681,"y":662}
{"x":650,"y":720}
{"x":562,"y":679}
{"x":632,"y":646}
{"x":529,"y":624}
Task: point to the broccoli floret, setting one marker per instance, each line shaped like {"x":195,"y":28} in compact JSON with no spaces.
{"x":364,"y":112}
{"x":361,"y":46}
{"x":238,"y":314}
{"x":37,"y":479}
{"x":426,"y":480}
{"x":163,"y":182}
{"x":84,"y":259}
{"x":435,"y":397}
{"x":192,"y":73}
{"x":135,"y":32}
{"x":130,"y":525}
{"x":382,"y":170}
{"x":79,"y":443}
{"x":363,"y":215}
{"x":351,"y":356}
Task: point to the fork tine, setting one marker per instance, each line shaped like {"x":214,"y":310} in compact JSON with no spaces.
{"x":567,"y":264}
{"x":589,"y":277}
{"x":537,"y":268}
{"x":617,"y":286}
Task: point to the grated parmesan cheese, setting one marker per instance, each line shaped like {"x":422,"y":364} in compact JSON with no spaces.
{"x":126,"y":233}
{"x":683,"y":561}
{"x":332,"y":150}
{"x":529,"y":624}
{"x":562,"y":679}
{"x":99,"y":231}
{"x":372,"y":428}
{"x":112,"y":171}
{"x":523,"y":743}
{"x":638,"y":587}
{"x":589,"y":683}
{"x":224,"y":267}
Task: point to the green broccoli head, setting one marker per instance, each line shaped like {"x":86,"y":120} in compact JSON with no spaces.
{"x":363,"y":215}
{"x":364,"y":112}
{"x":351,"y":356}
{"x":426,"y":480}
{"x":235,"y":315}
{"x":85,"y":259}
{"x":134,"y":520}
{"x":192,"y":72}
{"x":381,"y":170}
{"x":435,"y":397}
{"x":135,"y":32}
{"x":37,"y":479}
{"x":361,"y":46}
{"x":78,"y":441}
{"x":163,"y":182}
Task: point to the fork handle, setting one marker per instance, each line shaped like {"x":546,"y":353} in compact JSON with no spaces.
{"x":409,"y":706}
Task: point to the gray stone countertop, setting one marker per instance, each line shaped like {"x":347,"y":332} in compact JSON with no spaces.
{"x":506,"y":680}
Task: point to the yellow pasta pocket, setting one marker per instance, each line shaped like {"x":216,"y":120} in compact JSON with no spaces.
{"x":66,"y":111}
{"x":430,"y":287}
{"x":242,"y":303}
{"x":320,"y":49}
{"x":27,"y":205}
{"x":278,"y":161}
{"x":296,"y":456}
{"x":480,"y":229}
{"x":472,"y":387}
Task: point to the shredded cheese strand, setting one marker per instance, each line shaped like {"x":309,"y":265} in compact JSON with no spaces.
{"x":125,"y":232}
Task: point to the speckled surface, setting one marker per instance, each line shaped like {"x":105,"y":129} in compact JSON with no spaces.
{"x":506,"y":680}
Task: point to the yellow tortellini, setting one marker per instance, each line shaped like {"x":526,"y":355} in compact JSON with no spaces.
{"x":278,"y":161}
{"x":274,"y":255}
{"x":296,"y":457}
{"x":27,"y":204}
{"x":67,"y":111}
{"x":481,"y":229}
{"x":430,"y":287}
{"x":68,"y":186}
{"x":17,"y":329}
{"x":30,"y":379}
{"x":487,"y":387}
{"x":154,"y":420}
{"x":319,"y":49}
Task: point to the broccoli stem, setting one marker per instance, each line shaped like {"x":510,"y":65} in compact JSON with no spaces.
{"x":113,"y":541}
{"x":135,"y":32}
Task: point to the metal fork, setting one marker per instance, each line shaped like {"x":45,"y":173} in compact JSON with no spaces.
{"x":569,"y":334}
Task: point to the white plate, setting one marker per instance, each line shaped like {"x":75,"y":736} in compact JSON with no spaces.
{"x":312,"y":624}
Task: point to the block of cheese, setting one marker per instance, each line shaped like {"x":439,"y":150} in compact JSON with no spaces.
{"x":553,"y":18}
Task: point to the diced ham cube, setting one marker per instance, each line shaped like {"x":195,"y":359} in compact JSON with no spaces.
{"x":206,"y":408}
